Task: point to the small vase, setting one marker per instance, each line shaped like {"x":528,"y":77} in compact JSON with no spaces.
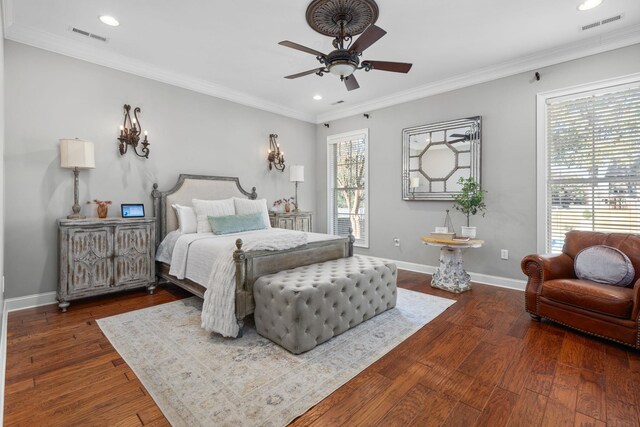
{"x":102,"y":211}
{"x":287,"y":207}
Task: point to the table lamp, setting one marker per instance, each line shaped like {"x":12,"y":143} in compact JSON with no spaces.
{"x":76,"y":154}
{"x":296,"y":174}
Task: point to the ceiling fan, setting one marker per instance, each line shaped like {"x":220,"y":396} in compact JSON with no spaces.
{"x":342,"y":20}
{"x":467,"y":136}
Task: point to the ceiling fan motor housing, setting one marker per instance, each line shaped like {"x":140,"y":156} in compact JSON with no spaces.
{"x":342,"y":63}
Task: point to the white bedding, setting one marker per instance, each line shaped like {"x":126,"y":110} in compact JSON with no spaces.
{"x":207,"y":259}
{"x":197,"y":250}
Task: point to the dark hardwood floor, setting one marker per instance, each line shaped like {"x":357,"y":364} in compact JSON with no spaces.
{"x":483,"y":362}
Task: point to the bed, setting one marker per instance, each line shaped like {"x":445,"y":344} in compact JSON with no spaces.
{"x":249,"y":265}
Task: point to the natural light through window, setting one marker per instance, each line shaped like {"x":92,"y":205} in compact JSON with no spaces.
{"x":347,"y":182}
{"x":592,"y":162}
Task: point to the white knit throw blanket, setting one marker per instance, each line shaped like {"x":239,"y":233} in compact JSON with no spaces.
{"x":218,"y":310}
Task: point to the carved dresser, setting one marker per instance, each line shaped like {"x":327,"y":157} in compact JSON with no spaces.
{"x":299,"y":221}
{"x":100,"y":256}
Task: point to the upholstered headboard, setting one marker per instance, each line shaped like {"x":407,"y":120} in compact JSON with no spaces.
{"x":191,"y":187}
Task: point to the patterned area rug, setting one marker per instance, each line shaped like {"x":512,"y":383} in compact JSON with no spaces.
{"x":198,"y":379}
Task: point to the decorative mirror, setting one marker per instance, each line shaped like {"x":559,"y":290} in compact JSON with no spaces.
{"x":436,"y":156}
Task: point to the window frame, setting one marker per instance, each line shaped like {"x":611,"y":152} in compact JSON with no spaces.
{"x":331,"y":141}
{"x":543,"y":246}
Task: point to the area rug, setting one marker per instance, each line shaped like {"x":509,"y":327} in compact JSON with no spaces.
{"x":199,"y":379}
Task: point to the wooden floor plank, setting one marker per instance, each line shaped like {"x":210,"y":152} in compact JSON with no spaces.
{"x":483,"y":362}
{"x":498,"y":409}
{"x":591,"y":395}
{"x":529,"y":410}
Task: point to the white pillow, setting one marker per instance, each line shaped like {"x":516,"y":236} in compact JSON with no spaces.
{"x":187,"y":222}
{"x":207,"y":208}
{"x":246,"y":206}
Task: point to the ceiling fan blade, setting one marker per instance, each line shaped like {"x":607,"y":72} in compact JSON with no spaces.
{"x":297,"y":46}
{"x":304,"y":73}
{"x":396,"y":67}
{"x":351,"y":83}
{"x":371,"y":35}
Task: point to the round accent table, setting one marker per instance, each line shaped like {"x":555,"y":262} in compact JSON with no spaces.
{"x":450,"y":275}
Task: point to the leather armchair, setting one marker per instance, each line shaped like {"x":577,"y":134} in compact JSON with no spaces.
{"x":554,"y":292}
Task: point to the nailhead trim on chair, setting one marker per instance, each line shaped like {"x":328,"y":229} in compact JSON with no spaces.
{"x":637,"y":346}
{"x":526,"y":304}
{"x":526,"y":307}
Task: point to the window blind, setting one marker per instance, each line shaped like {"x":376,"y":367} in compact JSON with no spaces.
{"x":347,"y":186}
{"x":593,"y":163}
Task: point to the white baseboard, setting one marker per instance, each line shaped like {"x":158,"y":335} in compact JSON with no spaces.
{"x":30,"y":301}
{"x":3,"y":357}
{"x":46,"y":298}
{"x":486,"y":279}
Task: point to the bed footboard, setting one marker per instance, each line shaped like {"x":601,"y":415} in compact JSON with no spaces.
{"x":253,"y":264}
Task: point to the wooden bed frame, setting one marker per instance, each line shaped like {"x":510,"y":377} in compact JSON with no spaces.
{"x":249,"y":265}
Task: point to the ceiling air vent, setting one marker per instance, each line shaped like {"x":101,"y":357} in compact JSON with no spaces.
{"x":603,"y":22}
{"x":338,"y":102}
{"x":88,"y":34}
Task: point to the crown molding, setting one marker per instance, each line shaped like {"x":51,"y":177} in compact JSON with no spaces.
{"x":88,"y":52}
{"x":591,"y":46}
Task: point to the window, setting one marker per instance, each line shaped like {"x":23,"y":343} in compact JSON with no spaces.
{"x":591,"y":162}
{"x":348,"y":185}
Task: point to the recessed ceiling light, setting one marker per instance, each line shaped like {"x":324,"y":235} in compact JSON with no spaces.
{"x":317,"y":97}
{"x":589,"y":4}
{"x":109,"y":20}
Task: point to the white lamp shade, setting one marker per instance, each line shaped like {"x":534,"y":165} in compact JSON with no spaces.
{"x":76,"y":153}
{"x":414,"y":182}
{"x":296,"y":173}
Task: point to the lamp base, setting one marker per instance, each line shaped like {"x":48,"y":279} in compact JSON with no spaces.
{"x":76,"y":216}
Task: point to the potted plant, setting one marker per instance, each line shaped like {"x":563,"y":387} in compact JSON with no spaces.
{"x":470,"y":201}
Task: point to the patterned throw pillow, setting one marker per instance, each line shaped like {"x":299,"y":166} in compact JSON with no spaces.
{"x":604,"y":264}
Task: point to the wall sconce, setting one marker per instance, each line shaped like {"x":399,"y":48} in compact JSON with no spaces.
{"x":76,"y":154}
{"x":130,"y":132}
{"x":275,"y":157}
{"x":414,"y":182}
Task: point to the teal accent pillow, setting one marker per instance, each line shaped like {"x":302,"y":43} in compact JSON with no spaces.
{"x":236,"y":223}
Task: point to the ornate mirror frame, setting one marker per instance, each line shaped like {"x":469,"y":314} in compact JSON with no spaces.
{"x":435,"y":156}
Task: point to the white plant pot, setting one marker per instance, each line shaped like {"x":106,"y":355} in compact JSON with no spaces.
{"x":469,"y":232}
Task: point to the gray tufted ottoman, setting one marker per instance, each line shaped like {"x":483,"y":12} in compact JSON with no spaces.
{"x":306,"y":306}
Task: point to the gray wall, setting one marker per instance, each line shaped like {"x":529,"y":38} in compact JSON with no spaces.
{"x":2,"y":180}
{"x":508,"y":110}
{"x":50,"y":96}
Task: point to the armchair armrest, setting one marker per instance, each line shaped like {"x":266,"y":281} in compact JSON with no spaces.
{"x":635,"y":312}
{"x":548,"y":267}
{"x":540,"y":268}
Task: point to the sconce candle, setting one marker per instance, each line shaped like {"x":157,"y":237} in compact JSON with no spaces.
{"x":130,"y":134}
{"x":275,"y":156}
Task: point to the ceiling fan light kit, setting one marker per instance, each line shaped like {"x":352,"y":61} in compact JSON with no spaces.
{"x":343,"y":19}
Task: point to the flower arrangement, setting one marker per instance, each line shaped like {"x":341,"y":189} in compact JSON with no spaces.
{"x":103,"y":207}
{"x":286,"y":201}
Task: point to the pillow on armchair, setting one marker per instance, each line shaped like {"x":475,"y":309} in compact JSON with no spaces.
{"x":604,"y":264}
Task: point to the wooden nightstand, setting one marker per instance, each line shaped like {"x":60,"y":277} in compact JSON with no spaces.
{"x":100,"y":256}
{"x":300,"y":221}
